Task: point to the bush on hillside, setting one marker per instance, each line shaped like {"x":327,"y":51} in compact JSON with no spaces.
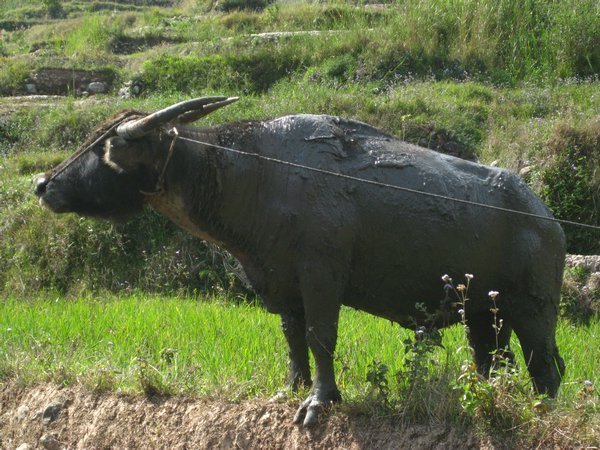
{"x":185,"y":73}
{"x":54,"y":8}
{"x":60,"y":128}
{"x":571,"y":183}
{"x":580,"y":295}
{"x":71,"y":255}
{"x":253,"y":71}
{"x":13,"y":73}
{"x":233,"y":5}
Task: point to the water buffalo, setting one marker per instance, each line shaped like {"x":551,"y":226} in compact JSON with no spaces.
{"x":311,"y":241}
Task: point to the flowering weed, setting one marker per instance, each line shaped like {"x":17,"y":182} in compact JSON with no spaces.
{"x":501,"y":398}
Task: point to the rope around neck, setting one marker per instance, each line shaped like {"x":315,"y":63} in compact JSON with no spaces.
{"x":160,"y":183}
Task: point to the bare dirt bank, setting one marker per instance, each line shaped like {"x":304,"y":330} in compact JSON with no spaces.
{"x":47,"y":416}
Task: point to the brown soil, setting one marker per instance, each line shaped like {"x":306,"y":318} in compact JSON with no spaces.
{"x":50,"y":417}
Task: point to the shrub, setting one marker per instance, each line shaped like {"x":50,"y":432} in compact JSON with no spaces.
{"x":580,"y":295}
{"x":571,"y":183}
{"x":265,"y":65}
{"x":54,"y":8}
{"x":232,"y":5}
{"x":62,"y":127}
{"x":576,"y":38}
{"x":14,"y":130}
{"x":342,"y":67}
{"x":185,"y":73}
{"x":254,"y":70}
{"x":72,"y":255}
{"x":13,"y":74}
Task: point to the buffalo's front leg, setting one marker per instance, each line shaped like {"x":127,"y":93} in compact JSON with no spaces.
{"x":320,"y":291}
{"x":294,"y":329}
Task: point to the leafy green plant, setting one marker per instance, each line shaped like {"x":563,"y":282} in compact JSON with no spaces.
{"x":580,"y":295}
{"x":151,"y":379}
{"x":377,"y":378}
{"x":418,"y":379}
{"x":571,"y":183}
{"x":13,"y":73}
{"x":501,"y":398}
{"x":419,"y":354}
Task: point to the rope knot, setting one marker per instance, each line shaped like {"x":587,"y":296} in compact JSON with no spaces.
{"x":160,"y":183}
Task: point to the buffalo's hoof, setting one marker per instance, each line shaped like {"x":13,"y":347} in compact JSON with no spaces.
{"x":310,"y":410}
{"x":308,"y":413}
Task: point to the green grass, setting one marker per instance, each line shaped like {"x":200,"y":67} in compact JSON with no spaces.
{"x":505,"y":41}
{"x":216,"y":347}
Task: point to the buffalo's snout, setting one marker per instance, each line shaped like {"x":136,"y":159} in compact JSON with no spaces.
{"x":40,"y":187}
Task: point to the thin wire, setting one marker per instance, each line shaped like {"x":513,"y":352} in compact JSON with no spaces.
{"x":78,"y":155}
{"x":389,"y":186}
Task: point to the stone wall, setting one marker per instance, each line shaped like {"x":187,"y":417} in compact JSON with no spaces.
{"x":57,"y":81}
{"x":590,"y":263}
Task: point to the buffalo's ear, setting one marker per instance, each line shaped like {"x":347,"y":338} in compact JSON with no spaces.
{"x":122,"y":155}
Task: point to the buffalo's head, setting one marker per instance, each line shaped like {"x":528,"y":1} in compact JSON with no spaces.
{"x":108,"y":175}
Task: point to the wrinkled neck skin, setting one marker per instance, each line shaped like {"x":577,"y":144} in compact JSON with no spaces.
{"x":197,"y":179}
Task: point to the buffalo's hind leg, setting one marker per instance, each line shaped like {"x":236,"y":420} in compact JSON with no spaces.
{"x":536,"y":332}
{"x":489,"y":346}
{"x":321,"y":296}
{"x":294,"y":329}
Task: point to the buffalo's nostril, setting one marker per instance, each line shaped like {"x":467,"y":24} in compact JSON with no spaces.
{"x":40,"y":187}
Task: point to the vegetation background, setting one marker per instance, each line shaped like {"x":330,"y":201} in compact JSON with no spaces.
{"x":510,"y":82}
{"x":507,"y":82}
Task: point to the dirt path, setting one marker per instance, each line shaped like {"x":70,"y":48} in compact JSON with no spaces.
{"x":46,"y":416}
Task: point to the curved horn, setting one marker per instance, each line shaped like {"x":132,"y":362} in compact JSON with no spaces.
{"x":137,"y":128}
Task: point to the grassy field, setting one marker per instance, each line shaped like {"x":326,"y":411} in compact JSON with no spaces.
{"x":507,"y":81}
{"x":221,"y":347}
{"x":216,"y":347}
